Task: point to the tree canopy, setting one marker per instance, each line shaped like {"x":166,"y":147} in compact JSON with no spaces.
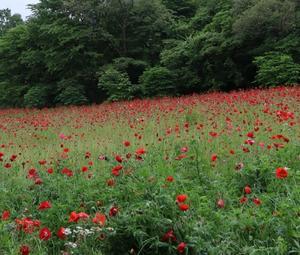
{"x":85,"y":51}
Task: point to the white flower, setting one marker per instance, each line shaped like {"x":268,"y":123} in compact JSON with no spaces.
{"x":71,"y":245}
{"x":67,"y":231}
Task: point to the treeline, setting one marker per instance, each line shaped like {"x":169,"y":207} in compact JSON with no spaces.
{"x":84,"y":51}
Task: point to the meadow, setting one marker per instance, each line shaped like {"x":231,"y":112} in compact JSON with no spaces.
{"x":216,"y":173}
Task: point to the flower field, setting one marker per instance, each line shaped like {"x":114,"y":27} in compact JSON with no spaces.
{"x":204,"y":174}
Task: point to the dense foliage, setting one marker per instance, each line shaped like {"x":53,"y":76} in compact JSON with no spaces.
{"x":200,"y":45}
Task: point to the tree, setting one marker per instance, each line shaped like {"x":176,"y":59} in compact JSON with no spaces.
{"x":116,"y":84}
{"x":181,"y":8}
{"x":158,"y":81}
{"x":7,"y":20}
{"x":275,"y":68}
{"x":199,"y":45}
{"x":266,"y":18}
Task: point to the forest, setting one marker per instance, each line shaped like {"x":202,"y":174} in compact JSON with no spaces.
{"x":75,"y":52}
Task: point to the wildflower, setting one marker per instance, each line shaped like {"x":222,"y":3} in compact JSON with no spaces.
{"x":140,"y":151}
{"x":84,"y":168}
{"x":169,"y":236}
{"x":119,"y":158}
{"x":116,"y":170}
{"x":181,"y":198}
{"x":99,"y":219}
{"x":256,"y":201}
{"x":221,"y":203}
{"x":126,"y":143}
{"x":170,"y":178}
{"x":243,"y":200}
{"x":73,"y":217}
{"x":61,"y":233}
{"x":5,"y":215}
{"x":110,"y":182}
{"x":45,"y":234}
{"x":281,"y":172}
{"x":24,"y":250}
{"x":44,"y":205}
{"x":181,"y":247}
{"x":184,"y":149}
{"x":250,"y":135}
{"x":183,"y":207}
{"x":214,"y":157}
{"x":247,"y":190}
{"x":113,"y":211}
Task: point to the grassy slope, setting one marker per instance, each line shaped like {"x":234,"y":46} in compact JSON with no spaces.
{"x":146,"y":201}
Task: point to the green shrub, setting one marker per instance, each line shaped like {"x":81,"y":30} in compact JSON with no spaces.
{"x":158,"y":81}
{"x":36,"y":97}
{"x":275,"y":68}
{"x":70,"y":93}
{"x":116,"y":84}
{"x":11,"y":95}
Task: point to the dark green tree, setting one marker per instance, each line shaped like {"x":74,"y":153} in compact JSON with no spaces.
{"x":275,"y":68}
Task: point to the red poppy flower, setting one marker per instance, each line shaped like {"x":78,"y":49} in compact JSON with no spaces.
{"x":140,"y":151}
{"x":50,"y":171}
{"x":32,"y":174}
{"x":73,"y":217}
{"x":99,"y":219}
{"x":113,"y":211}
{"x":44,"y":205}
{"x":45,"y":234}
{"x":7,"y":165}
{"x":213,"y":134}
{"x":38,"y":181}
{"x":116,"y":170}
{"x":83,"y":215}
{"x":184,"y":149}
{"x":181,"y":198}
{"x":67,"y":172}
{"x":13,"y":157}
{"x":221,"y":203}
{"x":256,"y":201}
{"x":181,"y":247}
{"x":110,"y":182}
{"x":84,"y":168}
{"x":42,"y":162}
{"x":24,"y":250}
{"x":214,"y":157}
{"x":181,"y":156}
{"x":126,"y":143}
{"x":250,"y":135}
{"x":119,"y":158}
{"x":5,"y":215}
{"x":170,"y":179}
{"x":246,"y":150}
{"x":183,"y":207}
{"x":281,"y":173}
{"x":243,"y":200}
{"x":61,"y":233}
{"x":169,"y":236}
{"x":87,"y":155}
{"x":247,"y":190}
